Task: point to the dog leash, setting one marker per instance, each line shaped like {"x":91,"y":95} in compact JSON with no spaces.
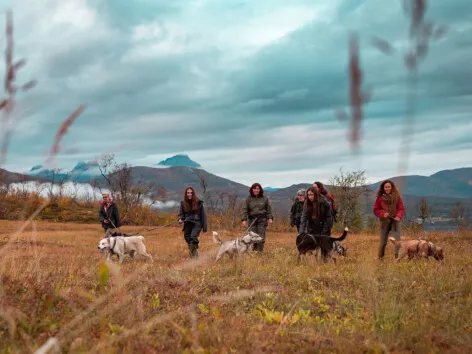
{"x":154,"y":228}
{"x":250,"y":226}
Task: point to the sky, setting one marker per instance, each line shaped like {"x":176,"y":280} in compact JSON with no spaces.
{"x":248,"y":89}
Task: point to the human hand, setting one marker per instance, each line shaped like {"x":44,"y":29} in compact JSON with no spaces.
{"x":180,"y":221}
{"x":105,"y":221}
{"x":386,"y":215}
{"x":396,"y":218}
{"x":244,"y":223}
{"x":270,"y":221}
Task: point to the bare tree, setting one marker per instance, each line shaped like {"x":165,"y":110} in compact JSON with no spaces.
{"x":347,"y":188}
{"x":56,"y":178}
{"x":458,"y":211}
{"x":107,"y":166}
{"x":232,"y":208}
{"x":76,"y":187}
{"x":423,"y":209}
{"x":202,"y":178}
{"x":159,"y":194}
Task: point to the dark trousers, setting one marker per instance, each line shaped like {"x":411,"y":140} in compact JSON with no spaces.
{"x":191,"y":232}
{"x":107,"y":226}
{"x":259,"y":227}
{"x":388,"y":226}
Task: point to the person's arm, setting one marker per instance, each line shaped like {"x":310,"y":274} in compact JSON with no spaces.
{"x":378,"y":211}
{"x":101,"y":216}
{"x":269,"y":210}
{"x":204,"y":219}
{"x":292,"y":215}
{"x":245,"y":210}
{"x":303,"y":220}
{"x":400,"y":209}
{"x":181,"y":216}
{"x":326,"y":218}
{"x":117,"y":216}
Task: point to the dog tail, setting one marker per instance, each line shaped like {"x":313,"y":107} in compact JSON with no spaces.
{"x":395,"y":242}
{"x":216,"y":239}
{"x":343,"y":236}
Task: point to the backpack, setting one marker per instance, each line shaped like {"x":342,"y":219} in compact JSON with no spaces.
{"x":334,"y":208}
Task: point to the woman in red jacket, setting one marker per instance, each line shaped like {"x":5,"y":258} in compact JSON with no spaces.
{"x":389,"y":209}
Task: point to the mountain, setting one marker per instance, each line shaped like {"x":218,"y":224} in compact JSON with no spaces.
{"x":36,"y":168}
{"x":89,"y":167}
{"x":12,"y":177}
{"x":175,"y":179}
{"x":456,"y":183}
{"x":179,"y":160}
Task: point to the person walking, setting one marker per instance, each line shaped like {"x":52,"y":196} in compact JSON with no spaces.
{"x":108,"y":213}
{"x":297,"y":209}
{"x":389,"y":208}
{"x":329,"y":197}
{"x":192,"y":215}
{"x":258,"y":212}
{"x":316,"y":215}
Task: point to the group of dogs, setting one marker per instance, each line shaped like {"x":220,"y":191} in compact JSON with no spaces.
{"x":121,"y":244}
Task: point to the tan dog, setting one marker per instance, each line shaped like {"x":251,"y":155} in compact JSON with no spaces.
{"x":418,"y":248}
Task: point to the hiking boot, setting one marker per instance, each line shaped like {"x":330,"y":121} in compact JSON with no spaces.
{"x":193,"y":250}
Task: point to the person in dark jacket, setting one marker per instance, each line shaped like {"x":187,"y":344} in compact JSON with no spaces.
{"x":389,"y":208}
{"x":192,"y":214}
{"x":108,"y":213}
{"x":297,"y":209}
{"x":316,"y":215}
{"x":257,"y":206}
{"x":329,"y":197}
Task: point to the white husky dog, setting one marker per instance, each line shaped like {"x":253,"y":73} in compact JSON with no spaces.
{"x":239,"y":245}
{"x":120,"y":246}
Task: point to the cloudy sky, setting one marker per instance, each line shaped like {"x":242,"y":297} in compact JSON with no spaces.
{"x":247,"y":88}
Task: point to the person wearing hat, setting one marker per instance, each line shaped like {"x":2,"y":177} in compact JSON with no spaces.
{"x":297,"y":209}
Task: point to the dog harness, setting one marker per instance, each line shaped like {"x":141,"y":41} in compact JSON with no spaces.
{"x":240,"y":240}
{"x":430,"y":249}
{"x":113,"y":247}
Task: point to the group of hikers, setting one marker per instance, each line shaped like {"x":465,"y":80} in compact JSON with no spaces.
{"x":314,"y":211}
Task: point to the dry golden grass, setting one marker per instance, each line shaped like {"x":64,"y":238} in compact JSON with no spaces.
{"x":54,"y":284}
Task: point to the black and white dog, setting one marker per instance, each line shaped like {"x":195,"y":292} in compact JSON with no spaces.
{"x":326,"y":244}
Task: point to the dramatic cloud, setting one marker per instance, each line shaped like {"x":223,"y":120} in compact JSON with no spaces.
{"x":246,"y":88}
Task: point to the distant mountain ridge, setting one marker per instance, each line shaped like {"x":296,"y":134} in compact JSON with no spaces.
{"x":453,"y":183}
{"x":179,"y":160}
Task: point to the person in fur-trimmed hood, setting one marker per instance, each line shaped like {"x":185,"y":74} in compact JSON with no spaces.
{"x":108,"y":213}
{"x":389,"y":208}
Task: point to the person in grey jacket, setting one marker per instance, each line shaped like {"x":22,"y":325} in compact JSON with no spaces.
{"x":297,"y":209}
{"x":258,"y":213}
{"x":192,"y":214}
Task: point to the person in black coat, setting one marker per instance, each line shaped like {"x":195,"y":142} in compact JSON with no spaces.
{"x":108,"y":213}
{"x":192,"y":214}
{"x":316,"y":216}
{"x":297,"y":209}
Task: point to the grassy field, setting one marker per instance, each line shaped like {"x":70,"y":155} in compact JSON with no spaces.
{"x":55,"y":284}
